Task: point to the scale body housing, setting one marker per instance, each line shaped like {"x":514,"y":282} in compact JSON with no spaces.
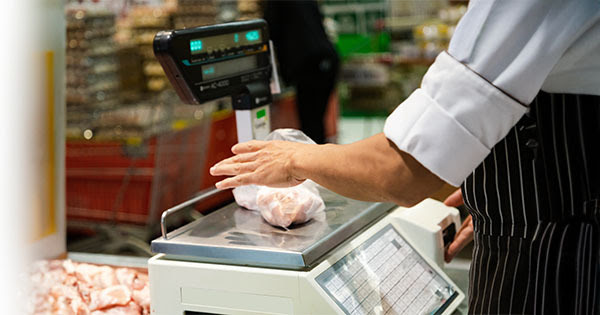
{"x":431,"y":226}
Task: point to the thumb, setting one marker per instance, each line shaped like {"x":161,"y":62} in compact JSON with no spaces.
{"x":463,"y":237}
{"x":455,"y":199}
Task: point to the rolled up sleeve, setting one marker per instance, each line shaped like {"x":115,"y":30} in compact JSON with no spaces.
{"x":472,"y":95}
{"x":441,"y":124}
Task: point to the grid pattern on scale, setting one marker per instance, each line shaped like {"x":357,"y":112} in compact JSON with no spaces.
{"x":385,"y":274}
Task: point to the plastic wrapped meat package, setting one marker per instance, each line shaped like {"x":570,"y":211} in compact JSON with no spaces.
{"x":283,"y":206}
{"x":286,"y":206}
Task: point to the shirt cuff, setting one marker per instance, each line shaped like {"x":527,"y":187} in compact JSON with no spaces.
{"x":451,"y":123}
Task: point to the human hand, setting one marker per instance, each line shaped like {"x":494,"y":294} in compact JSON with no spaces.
{"x":464,"y":234}
{"x":455,"y":199}
{"x":268,"y":163}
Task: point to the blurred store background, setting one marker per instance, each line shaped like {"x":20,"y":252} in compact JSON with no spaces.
{"x":133,"y":149}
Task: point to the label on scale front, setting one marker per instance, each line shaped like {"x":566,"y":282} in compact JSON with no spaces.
{"x":253,"y":123}
{"x":261,"y":126}
{"x":385,"y":275}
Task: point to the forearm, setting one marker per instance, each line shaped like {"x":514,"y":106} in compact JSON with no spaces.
{"x":372,"y":169}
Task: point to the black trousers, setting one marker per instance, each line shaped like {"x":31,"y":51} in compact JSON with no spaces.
{"x":536,"y":213}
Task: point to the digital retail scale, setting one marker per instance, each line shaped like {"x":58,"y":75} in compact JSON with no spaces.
{"x":353,"y":259}
{"x":225,"y":60}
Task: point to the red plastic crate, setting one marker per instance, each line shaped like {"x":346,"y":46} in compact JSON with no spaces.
{"x":110,"y":181}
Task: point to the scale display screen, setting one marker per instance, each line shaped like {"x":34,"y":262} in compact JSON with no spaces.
{"x":225,"y":68}
{"x":225,"y":41}
{"x":209,"y":62}
{"x":386,"y":275}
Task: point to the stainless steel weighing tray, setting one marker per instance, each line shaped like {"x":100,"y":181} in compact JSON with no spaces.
{"x":234,"y":235}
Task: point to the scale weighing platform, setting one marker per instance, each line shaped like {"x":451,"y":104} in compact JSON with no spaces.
{"x":352,"y":259}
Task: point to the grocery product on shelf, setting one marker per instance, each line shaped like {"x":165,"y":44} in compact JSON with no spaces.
{"x":249,"y":9}
{"x":131,"y":75}
{"x":192,"y":13}
{"x":146,"y":21}
{"x":92,"y":66}
{"x":433,"y":36}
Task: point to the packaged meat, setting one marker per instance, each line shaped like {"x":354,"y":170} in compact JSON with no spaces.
{"x":283,"y":206}
{"x":286,"y":206}
{"x":245,"y":196}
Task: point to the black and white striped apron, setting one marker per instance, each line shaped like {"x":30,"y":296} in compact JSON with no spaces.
{"x":536,"y":213}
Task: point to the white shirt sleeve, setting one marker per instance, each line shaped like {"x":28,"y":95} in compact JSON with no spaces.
{"x":471,"y":96}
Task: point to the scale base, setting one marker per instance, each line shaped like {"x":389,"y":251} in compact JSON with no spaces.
{"x":188,"y":287}
{"x":183,"y":287}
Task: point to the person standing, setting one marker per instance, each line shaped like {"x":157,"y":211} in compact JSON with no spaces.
{"x":307,"y":59}
{"x":511,"y":114}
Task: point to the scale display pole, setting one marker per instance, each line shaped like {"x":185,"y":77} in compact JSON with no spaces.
{"x":252,"y":112}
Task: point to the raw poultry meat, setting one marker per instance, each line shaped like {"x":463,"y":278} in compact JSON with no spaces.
{"x":130,"y":308}
{"x":282,"y":209}
{"x":125,"y":276}
{"x":66,"y":287}
{"x":286,"y":206}
{"x":142,"y":297}
{"x":118,"y":295}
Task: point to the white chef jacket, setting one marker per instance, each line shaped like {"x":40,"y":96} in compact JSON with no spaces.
{"x":502,"y":53}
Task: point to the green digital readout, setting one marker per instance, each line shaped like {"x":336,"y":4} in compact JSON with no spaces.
{"x":195,"y":45}
{"x":252,"y":36}
{"x":223,"y":42}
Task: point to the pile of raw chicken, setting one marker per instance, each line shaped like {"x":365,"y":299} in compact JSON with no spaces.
{"x":66,"y":287}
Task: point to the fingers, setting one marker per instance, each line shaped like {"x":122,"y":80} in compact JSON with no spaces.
{"x":233,"y":169}
{"x":465,"y":233}
{"x":463,"y":237}
{"x":256,"y":162}
{"x":455,"y":199}
{"x":245,"y":157}
{"x":224,"y":167}
{"x":239,"y":180}
{"x":247,"y":147}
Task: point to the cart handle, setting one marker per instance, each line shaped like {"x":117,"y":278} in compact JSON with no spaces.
{"x":207,"y":193}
